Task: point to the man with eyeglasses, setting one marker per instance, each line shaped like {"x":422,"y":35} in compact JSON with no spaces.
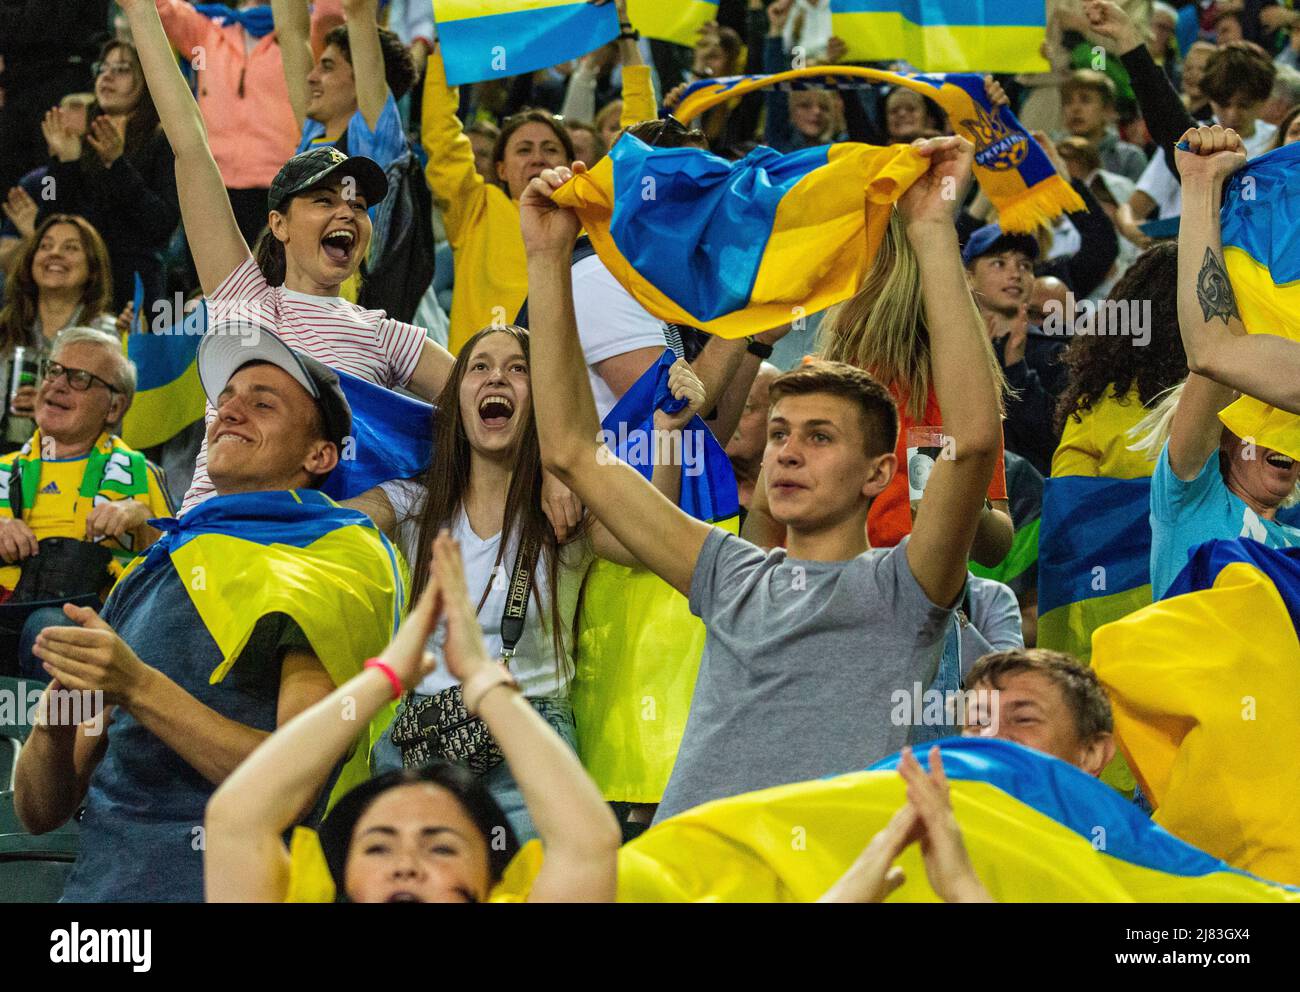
{"x":73,"y":481}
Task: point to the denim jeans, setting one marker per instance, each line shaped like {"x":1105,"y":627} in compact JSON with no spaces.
{"x":386,"y":757}
{"x":946,"y":680}
{"x":29,"y":666}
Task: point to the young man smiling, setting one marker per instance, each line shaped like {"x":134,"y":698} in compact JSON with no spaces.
{"x":195,"y":690}
{"x":803,"y":643}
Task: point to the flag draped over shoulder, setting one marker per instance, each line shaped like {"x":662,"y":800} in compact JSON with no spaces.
{"x":168,"y":396}
{"x":392,"y":438}
{"x":944,"y":35}
{"x":733,"y":248}
{"x":1260,"y":219}
{"x":508,"y":37}
{"x":1036,"y":829}
{"x":245,"y":556}
{"x":1012,"y":169}
{"x":639,"y":645}
{"x":1205,"y":687}
{"x":678,"y":21}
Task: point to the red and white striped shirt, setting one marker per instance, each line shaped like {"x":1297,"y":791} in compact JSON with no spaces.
{"x":342,"y":335}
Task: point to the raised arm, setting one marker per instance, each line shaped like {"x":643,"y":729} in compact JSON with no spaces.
{"x":245,"y":859}
{"x":367,"y":59}
{"x":685,"y":384}
{"x":1161,"y":106}
{"x":949,"y":513}
{"x":638,"y":88}
{"x":457,"y":188}
{"x":578,"y":832}
{"x":293,"y":32}
{"x":209,"y":221}
{"x":1262,"y":365}
{"x":643,"y":520}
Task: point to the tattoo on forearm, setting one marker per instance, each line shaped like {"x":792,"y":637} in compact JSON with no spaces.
{"x":1214,"y":291}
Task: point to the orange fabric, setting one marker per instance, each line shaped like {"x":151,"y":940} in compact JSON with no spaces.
{"x":890,"y":517}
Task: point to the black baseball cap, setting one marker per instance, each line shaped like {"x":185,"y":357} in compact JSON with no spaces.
{"x":230,"y":345}
{"x":991,"y":240}
{"x":319,"y":166}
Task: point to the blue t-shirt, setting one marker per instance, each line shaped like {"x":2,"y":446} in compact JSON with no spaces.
{"x":141,"y":837}
{"x":384,"y":144}
{"x":1186,"y":514}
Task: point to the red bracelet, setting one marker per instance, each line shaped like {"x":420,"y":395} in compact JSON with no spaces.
{"x":388,"y":674}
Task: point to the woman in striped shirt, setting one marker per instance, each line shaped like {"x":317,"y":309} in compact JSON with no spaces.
{"x":318,"y":234}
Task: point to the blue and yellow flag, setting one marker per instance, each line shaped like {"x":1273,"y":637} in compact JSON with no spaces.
{"x":773,"y":235}
{"x":1012,"y":170}
{"x":945,"y":35}
{"x":245,"y":556}
{"x":752,"y":240}
{"x":1094,"y":560}
{"x":168,"y":396}
{"x":392,"y":438}
{"x":1205,"y":687}
{"x":678,"y":21}
{"x":1036,"y":829}
{"x":1261,"y":249}
{"x":639,"y":645}
{"x":493,"y":39}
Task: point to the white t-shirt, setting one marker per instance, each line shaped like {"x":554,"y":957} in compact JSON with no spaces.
{"x":1159,"y":183}
{"x":534,"y":664}
{"x":342,"y":335}
{"x":610,"y":322}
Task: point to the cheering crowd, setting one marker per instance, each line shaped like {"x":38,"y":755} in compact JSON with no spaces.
{"x":531,"y":639}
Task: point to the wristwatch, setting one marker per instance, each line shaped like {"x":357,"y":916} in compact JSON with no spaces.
{"x":757,"y":347}
{"x":628,"y":33}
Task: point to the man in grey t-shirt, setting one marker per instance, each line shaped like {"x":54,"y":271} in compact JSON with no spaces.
{"x":805,"y":646}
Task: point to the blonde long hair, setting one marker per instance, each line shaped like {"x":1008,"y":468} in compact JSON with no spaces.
{"x":1152,"y":432}
{"x":882,"y":327}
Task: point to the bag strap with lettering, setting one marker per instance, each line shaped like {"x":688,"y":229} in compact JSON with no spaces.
{"x":516,"y":608}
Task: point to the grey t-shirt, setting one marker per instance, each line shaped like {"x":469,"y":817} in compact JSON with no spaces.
{"x":800,"y":662}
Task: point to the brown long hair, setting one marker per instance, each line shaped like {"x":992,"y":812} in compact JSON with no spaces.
{"x":21,"y":292}
{"x":447,"y":481}
{"x":141,"y":124}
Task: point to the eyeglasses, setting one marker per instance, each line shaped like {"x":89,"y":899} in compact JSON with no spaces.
{"x":78,"y":379}
{"x":113,"y":68}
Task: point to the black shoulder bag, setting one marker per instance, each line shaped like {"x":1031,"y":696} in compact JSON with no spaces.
{"x":436,"y":727}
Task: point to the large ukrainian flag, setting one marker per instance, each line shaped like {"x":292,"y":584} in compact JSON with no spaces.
{"x":297,"y":552}
{"x":1205,"y":686}
{"x":752,"y":239}
{"x":639,"y":645}
{"x":493,"y":39}
{"x":1260,"y":219}
{"x":1036,"y":829}
{"x":678,"y":21}
{"x":945,"y":35}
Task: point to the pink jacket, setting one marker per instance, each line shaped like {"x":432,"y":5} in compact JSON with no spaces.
{"x":242,"y":95}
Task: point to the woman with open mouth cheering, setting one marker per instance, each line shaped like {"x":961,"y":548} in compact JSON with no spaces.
{"x":318,"y":234}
